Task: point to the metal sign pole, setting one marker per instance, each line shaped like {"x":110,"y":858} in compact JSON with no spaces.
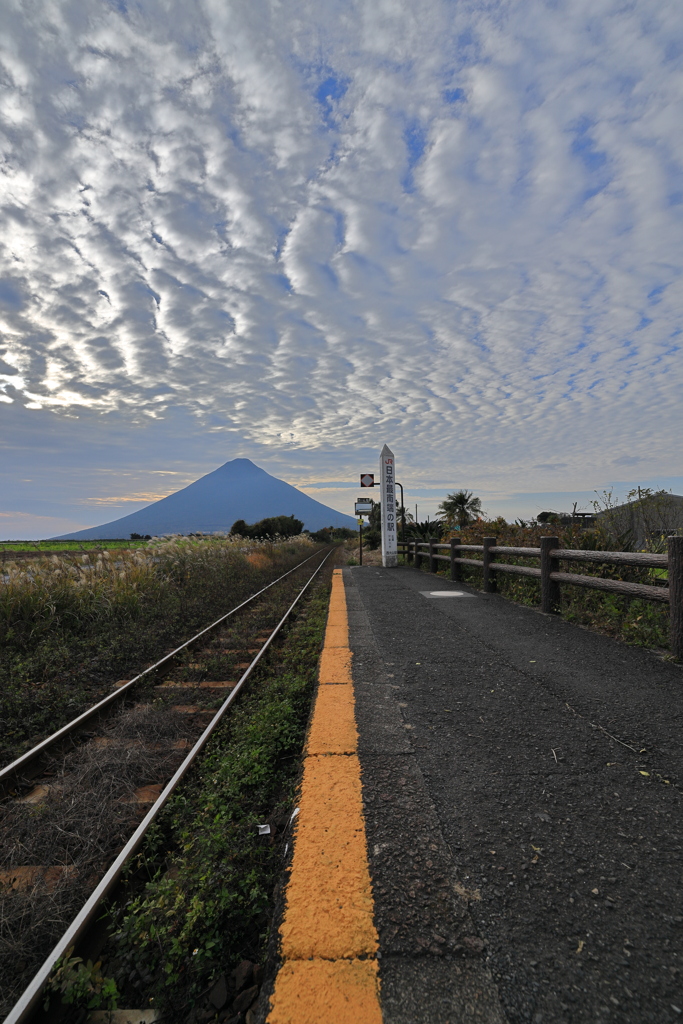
{"x":387,"y":474}
{"x":360,"y":547}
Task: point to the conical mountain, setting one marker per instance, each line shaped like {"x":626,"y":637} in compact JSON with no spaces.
{"x":238,"y":490}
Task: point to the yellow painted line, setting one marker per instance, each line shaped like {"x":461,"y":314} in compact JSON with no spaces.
{"x":322,"y":991}
{"x":335,"y":665}
{"x":333,"y":726}
{"x":328,"y":938}
{"x":336,"y":635}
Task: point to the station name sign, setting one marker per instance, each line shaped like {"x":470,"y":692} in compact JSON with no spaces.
{"x":387,"y":473}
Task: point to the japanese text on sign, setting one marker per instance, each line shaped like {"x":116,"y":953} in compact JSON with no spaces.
{"x":387,"y":469}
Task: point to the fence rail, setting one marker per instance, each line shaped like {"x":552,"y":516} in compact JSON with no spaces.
{"x":550,"y":554}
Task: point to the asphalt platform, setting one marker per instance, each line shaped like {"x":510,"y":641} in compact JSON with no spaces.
{"x":521,"y":787}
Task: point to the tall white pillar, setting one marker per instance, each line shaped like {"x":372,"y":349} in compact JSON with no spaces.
{"x":387,"y":483}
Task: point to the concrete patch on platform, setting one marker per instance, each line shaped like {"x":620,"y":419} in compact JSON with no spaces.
{"x":445,"y":593}
{"x":456,"y":992}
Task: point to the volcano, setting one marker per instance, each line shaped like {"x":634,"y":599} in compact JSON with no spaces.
{"x":238,"y":490}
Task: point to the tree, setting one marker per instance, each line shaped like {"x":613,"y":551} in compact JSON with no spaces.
{"x":328,"y":534}
{"x":428,"y":530}
{"x":460,"y":507}
{"x":372,"y":537}
{"x":275,"y":526}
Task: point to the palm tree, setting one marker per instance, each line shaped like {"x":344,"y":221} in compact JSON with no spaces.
{"x":461,"y":507}
{"x":428,"y":530}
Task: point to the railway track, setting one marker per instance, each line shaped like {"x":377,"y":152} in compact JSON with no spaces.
{"x":20,"y":771}
{"x":72,"y":812}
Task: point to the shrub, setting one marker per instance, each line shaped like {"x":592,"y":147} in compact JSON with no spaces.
{"x":276,"y":526}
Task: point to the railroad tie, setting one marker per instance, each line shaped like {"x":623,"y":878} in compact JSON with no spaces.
{"x":38,"y":794}
{"x":206,"y":685}
{"x":26,"y":876}
{"x":212,"y":652}
{"x":194,"y":709}
{"x":144,"y":796}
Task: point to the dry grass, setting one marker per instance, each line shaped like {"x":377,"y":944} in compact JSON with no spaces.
{"x":70,"y":626}
{"x":348,"y":554}
{"x":90,"y":808}
{"x":87,"y":815}
{"x":76,"y":589}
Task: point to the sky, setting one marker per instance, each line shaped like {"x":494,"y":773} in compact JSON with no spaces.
{"x":296,"y":231}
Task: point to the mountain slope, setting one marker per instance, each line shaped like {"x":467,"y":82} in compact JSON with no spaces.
{"x":238,"y":490}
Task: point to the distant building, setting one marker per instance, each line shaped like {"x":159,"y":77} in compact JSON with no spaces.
{"x":583,"y":519}
{"x":647,"y":519}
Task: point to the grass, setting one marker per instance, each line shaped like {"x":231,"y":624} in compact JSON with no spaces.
{"x":86,"y":817}
{"x":70,"y":626}
{"x":209,"y":902}
{"x":41,"y":546}
{"x":632,"y":620}
{"x":88,"y":811}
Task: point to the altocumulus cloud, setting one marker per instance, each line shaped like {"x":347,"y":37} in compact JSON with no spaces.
{"x":454,"y":225}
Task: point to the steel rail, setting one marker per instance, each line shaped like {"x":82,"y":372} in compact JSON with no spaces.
{"x":15,"y":767}
{"x":22,"y":1010}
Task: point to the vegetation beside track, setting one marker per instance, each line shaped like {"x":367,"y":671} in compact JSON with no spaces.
{"x":70,"y":626}
{"x":65,"y":841}
{"x":38,"y":547}
{"x":632,"y":620}
{"x":209,"y":904}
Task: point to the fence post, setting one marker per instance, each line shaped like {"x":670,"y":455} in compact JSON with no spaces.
{"x":418,"y":554}
{"x":455,"y":566}
{"x":490,"y":582}
{"x":550,"y":590}
{"x":675,"y":573}
{"x":432,"y":560}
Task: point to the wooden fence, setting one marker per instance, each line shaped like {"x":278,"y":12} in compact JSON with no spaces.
{"x":551,"y":578}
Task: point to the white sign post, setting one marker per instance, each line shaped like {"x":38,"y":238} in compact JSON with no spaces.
{"x":387,"y":476}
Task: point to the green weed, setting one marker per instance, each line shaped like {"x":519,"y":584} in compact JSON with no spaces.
{"x":210,"y":904}
{"x":81,"y":983}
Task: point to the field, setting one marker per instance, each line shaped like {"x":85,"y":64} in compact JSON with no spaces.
{"x":71,"y":625}
{"x":12,"y":547}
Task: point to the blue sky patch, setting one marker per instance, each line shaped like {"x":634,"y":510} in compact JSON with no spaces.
{"x":452,"y":228}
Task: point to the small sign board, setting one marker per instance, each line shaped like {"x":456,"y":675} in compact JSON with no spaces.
{"x":367,"y":479}
{"x":363,"y":507}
